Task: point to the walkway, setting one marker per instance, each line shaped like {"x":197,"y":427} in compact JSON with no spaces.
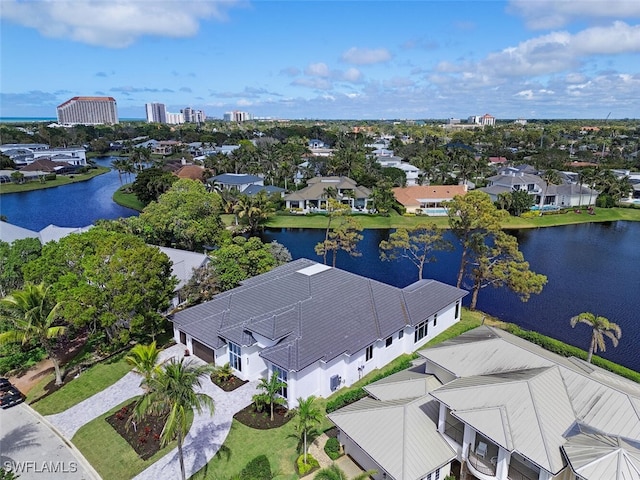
{"x":70,"y":421}
{"x":205,"y":437}
{"x":345,"y":463}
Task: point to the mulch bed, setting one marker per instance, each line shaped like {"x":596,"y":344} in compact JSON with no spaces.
{"x":229,"y":385}
{"x":145,"y":438}
{"x":250,"y":417}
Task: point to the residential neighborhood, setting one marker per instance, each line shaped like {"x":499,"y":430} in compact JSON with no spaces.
{"x":396,"y":382}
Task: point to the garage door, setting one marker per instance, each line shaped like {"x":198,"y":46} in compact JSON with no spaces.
{"x":203,"y":352}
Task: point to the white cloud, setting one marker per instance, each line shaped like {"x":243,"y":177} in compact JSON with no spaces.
{"x":363,"y":56}
{"x":116,"y":23}
{"x":561,"y":51}
{"x":352,"y":75}
{"x":550,"y":14}
{"x":317,"y":70}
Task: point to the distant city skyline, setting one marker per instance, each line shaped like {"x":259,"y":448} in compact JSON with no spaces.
{"x":360,"y":60}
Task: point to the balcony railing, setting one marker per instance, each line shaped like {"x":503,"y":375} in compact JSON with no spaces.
{"x":482,"y":465}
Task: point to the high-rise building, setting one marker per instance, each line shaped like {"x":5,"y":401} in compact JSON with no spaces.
{"x":156,"y":113}
{"x":175,"y":118}
{"x":193,"y":116}
{"x":237,"y":116}
{"x":88,"y":111}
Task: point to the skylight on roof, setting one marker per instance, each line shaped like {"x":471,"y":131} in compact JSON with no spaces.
{"x":313,"y":269}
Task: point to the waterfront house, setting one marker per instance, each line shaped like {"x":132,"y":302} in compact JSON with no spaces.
{"x":427,"y":199}
{"x":318,"y":328}
{"x":315,"y":195}
{"x":496,"y":407}
{"x":236,"y":181}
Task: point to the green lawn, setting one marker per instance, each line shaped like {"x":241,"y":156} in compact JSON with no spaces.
{"x":109,"y":453}
{"x":398,"y":221}
{"x":90,"y":382}
{"x":127,"y":199}
{"x":60,"y":180}
{"x":244,"y":444}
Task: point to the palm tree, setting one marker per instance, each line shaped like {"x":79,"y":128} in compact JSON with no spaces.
{"x":34,"y":319}
{"x":309,"y":415}
{"x":334,"y":472}
{"x":144,"y":359}
{"x":271,"y":389}
{"x":602,"y":327}
{"x":172,"y":392}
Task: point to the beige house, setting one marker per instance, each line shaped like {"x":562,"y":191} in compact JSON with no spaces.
{"x":427,"y":199}
{"x":318,"y":190}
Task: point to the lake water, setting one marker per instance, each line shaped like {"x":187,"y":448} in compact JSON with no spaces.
{"x":75,"y":205}
{"x":590,"y":267}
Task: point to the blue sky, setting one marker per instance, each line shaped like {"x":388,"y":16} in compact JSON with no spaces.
{"x":325,"y":59}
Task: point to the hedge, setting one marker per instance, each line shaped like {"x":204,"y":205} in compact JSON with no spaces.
{"x":561,"y":348}
{"x":356,"y":394}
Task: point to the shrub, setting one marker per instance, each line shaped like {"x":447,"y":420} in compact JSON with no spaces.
{"x":304,"y":468}
{"x":556,"y":346}
{"x":356,"y":394}
{"x":257,"y":469}
{"x":332,"y":448}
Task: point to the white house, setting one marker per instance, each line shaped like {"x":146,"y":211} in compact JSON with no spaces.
{"x":317,"y":327}
{"x":496,"y":407}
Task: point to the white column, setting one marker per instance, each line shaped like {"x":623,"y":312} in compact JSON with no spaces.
{"x":442,"y":417}
{"x":502,"y":466}
{"x":469,"y":438}
{"x":544,"y":475}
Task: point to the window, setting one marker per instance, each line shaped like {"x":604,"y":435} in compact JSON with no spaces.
{"x":435,"y":319}
{"x":282,"y":376}
{"x":400,"y":334}
{"x":388,"y":341}
{"x":369,"y":353}
{"x":235,"y":356}
{"x":457,"y":309}
{"x":437,"y":475}
{"x":421,"y":331}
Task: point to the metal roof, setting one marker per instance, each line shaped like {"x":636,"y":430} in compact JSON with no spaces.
{"x":317,"y":316}
{"x":401,"y":435}
{"x":595,"y":457}
{"x":527,"y":399}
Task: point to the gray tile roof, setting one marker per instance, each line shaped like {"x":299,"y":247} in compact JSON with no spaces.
{"x":313,"y":312}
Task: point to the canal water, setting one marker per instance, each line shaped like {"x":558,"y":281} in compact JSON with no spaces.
{"x":590,"y":267}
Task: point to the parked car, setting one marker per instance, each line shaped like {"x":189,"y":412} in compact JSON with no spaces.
{"x":5,"y":384}
{"x":10,"y":397}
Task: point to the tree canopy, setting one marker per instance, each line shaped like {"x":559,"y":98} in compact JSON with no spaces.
{"x":186,"y":217}
{"x":107,"y":280}
{"x":417,"y":244}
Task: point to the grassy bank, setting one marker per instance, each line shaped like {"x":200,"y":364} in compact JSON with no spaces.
{"x":398,"y":221}
{"x":60,"y":180}
{"x":126,"y":199}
